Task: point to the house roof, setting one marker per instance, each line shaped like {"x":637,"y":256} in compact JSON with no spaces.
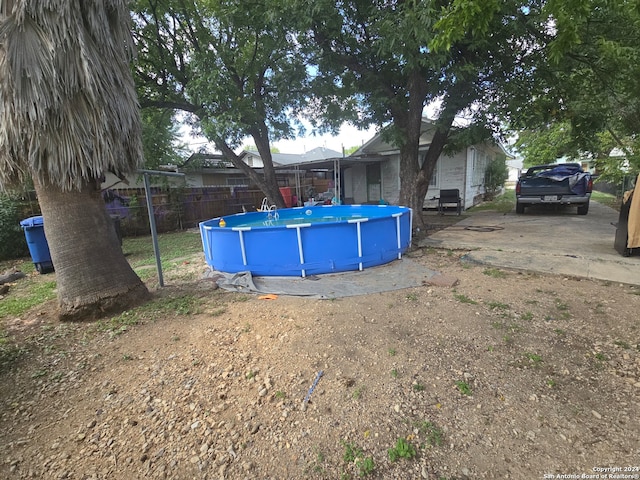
{"x":293,"y":159}
{"x":374,"y":150}
{"x":379,"y":146}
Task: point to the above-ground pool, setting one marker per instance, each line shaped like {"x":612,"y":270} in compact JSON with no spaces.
{"x":305,"y":241}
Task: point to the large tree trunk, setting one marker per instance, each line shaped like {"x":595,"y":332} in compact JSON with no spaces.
{"x":415,"y":178}
{"x":410,"y":178}
{"x":407,"y":118}
{"x":272,"y":191}
{"x":267,"y":183}
{"x":438,"y":142}
{"x":93,"y":276}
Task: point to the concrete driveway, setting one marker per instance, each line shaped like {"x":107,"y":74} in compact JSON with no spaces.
{"x":544,"y":241}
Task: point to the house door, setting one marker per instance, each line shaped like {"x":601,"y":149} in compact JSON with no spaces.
{"x":374,"y":183}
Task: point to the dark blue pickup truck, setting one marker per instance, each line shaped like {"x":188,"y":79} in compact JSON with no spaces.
{"x":558,"y":184}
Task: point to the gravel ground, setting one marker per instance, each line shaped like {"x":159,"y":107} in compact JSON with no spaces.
{"x":502,"y":375}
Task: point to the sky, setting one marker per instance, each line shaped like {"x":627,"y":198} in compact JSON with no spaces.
{"x":348,"y":136}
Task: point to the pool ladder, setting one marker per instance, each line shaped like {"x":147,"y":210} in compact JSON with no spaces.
{"x":271,"y":210}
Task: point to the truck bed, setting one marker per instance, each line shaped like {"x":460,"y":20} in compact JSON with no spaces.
{"x":544,"y":186}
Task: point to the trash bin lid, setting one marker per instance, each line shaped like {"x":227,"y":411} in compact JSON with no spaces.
{"x":32,"y":222}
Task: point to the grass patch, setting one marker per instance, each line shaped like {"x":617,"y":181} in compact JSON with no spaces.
{"x":464,"y":388}
{"x":502,"y":203}
{"x":534,"y":358}
{"x":494,"y":272}
{"x":180,"y":305}
{"x":433,"y":435}
{"x":316,"y":466}
{"x":33,"y":291}
{"x":120,"y":323}
{"x":606,"y":199}
{"x":354,"y":455}
{"x":358,"y":392}
{"x":464,"y":299}
{"x":498,"y":306}
{"x":563,"y":309}
{"x":402,"y":449}
{"x":217,"y":312}
{"x":34,"y":294}
{"x":515,"y":328}
{"x":139,"y":250}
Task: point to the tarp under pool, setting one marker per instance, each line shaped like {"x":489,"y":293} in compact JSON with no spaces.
{"x":396,"y":275}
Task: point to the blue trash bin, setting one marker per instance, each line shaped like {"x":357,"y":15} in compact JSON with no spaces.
{"x":36,"y":241}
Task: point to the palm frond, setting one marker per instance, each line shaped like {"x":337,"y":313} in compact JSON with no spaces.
{"x":68,"y":107}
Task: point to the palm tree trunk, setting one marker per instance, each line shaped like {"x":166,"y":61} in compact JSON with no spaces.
{"x":93,"y":276}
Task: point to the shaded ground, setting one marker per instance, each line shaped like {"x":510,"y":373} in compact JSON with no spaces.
{"x":549,"y":240}
{"x":505,"y":375}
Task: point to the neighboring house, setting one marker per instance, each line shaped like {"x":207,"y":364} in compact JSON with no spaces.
{"x":204,"y":169}
{"x":369,"y":175}
{"x":280,"y":160}
{"x":372,"y":172}
{"x":515,"y":167}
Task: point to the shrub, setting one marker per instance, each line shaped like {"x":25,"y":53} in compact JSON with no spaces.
{"x":495,"y":175}
{"x":12,"y":240}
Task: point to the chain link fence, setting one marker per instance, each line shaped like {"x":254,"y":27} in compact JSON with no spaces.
{"x":177,"y":208}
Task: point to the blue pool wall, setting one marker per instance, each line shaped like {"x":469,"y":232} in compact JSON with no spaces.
{"x":305,"y":241}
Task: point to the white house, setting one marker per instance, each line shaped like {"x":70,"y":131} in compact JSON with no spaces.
{"x":373,"y":171}
{"x":515,"y":167}
{"x":369,"y":175}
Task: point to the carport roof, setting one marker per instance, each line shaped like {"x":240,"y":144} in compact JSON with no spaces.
{"x":328,"y":163}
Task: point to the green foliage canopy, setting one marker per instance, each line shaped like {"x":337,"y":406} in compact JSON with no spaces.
{"x":160,"y":138}
{"x":235,"y":69}
{"x":395,"y":58}
{"x":586,"y":98}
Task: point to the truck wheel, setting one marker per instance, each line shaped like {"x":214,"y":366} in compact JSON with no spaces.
{"x":519,"y":207}
{"x":583,"y":209}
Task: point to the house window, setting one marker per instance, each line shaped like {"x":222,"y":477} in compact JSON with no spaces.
{"x":237,"y":181}
{"x":433,"y":182}
{"x":480,"y":162}
{"x":374,"y":183}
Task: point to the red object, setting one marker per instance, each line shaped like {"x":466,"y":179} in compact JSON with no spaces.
{"x":286,"y":196}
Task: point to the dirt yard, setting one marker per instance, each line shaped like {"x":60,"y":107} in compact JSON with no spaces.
{"x":504,"y":375}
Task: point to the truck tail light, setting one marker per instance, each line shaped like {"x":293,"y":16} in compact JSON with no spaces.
{"x":518,"y":188}
{"x":590,"y":185}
